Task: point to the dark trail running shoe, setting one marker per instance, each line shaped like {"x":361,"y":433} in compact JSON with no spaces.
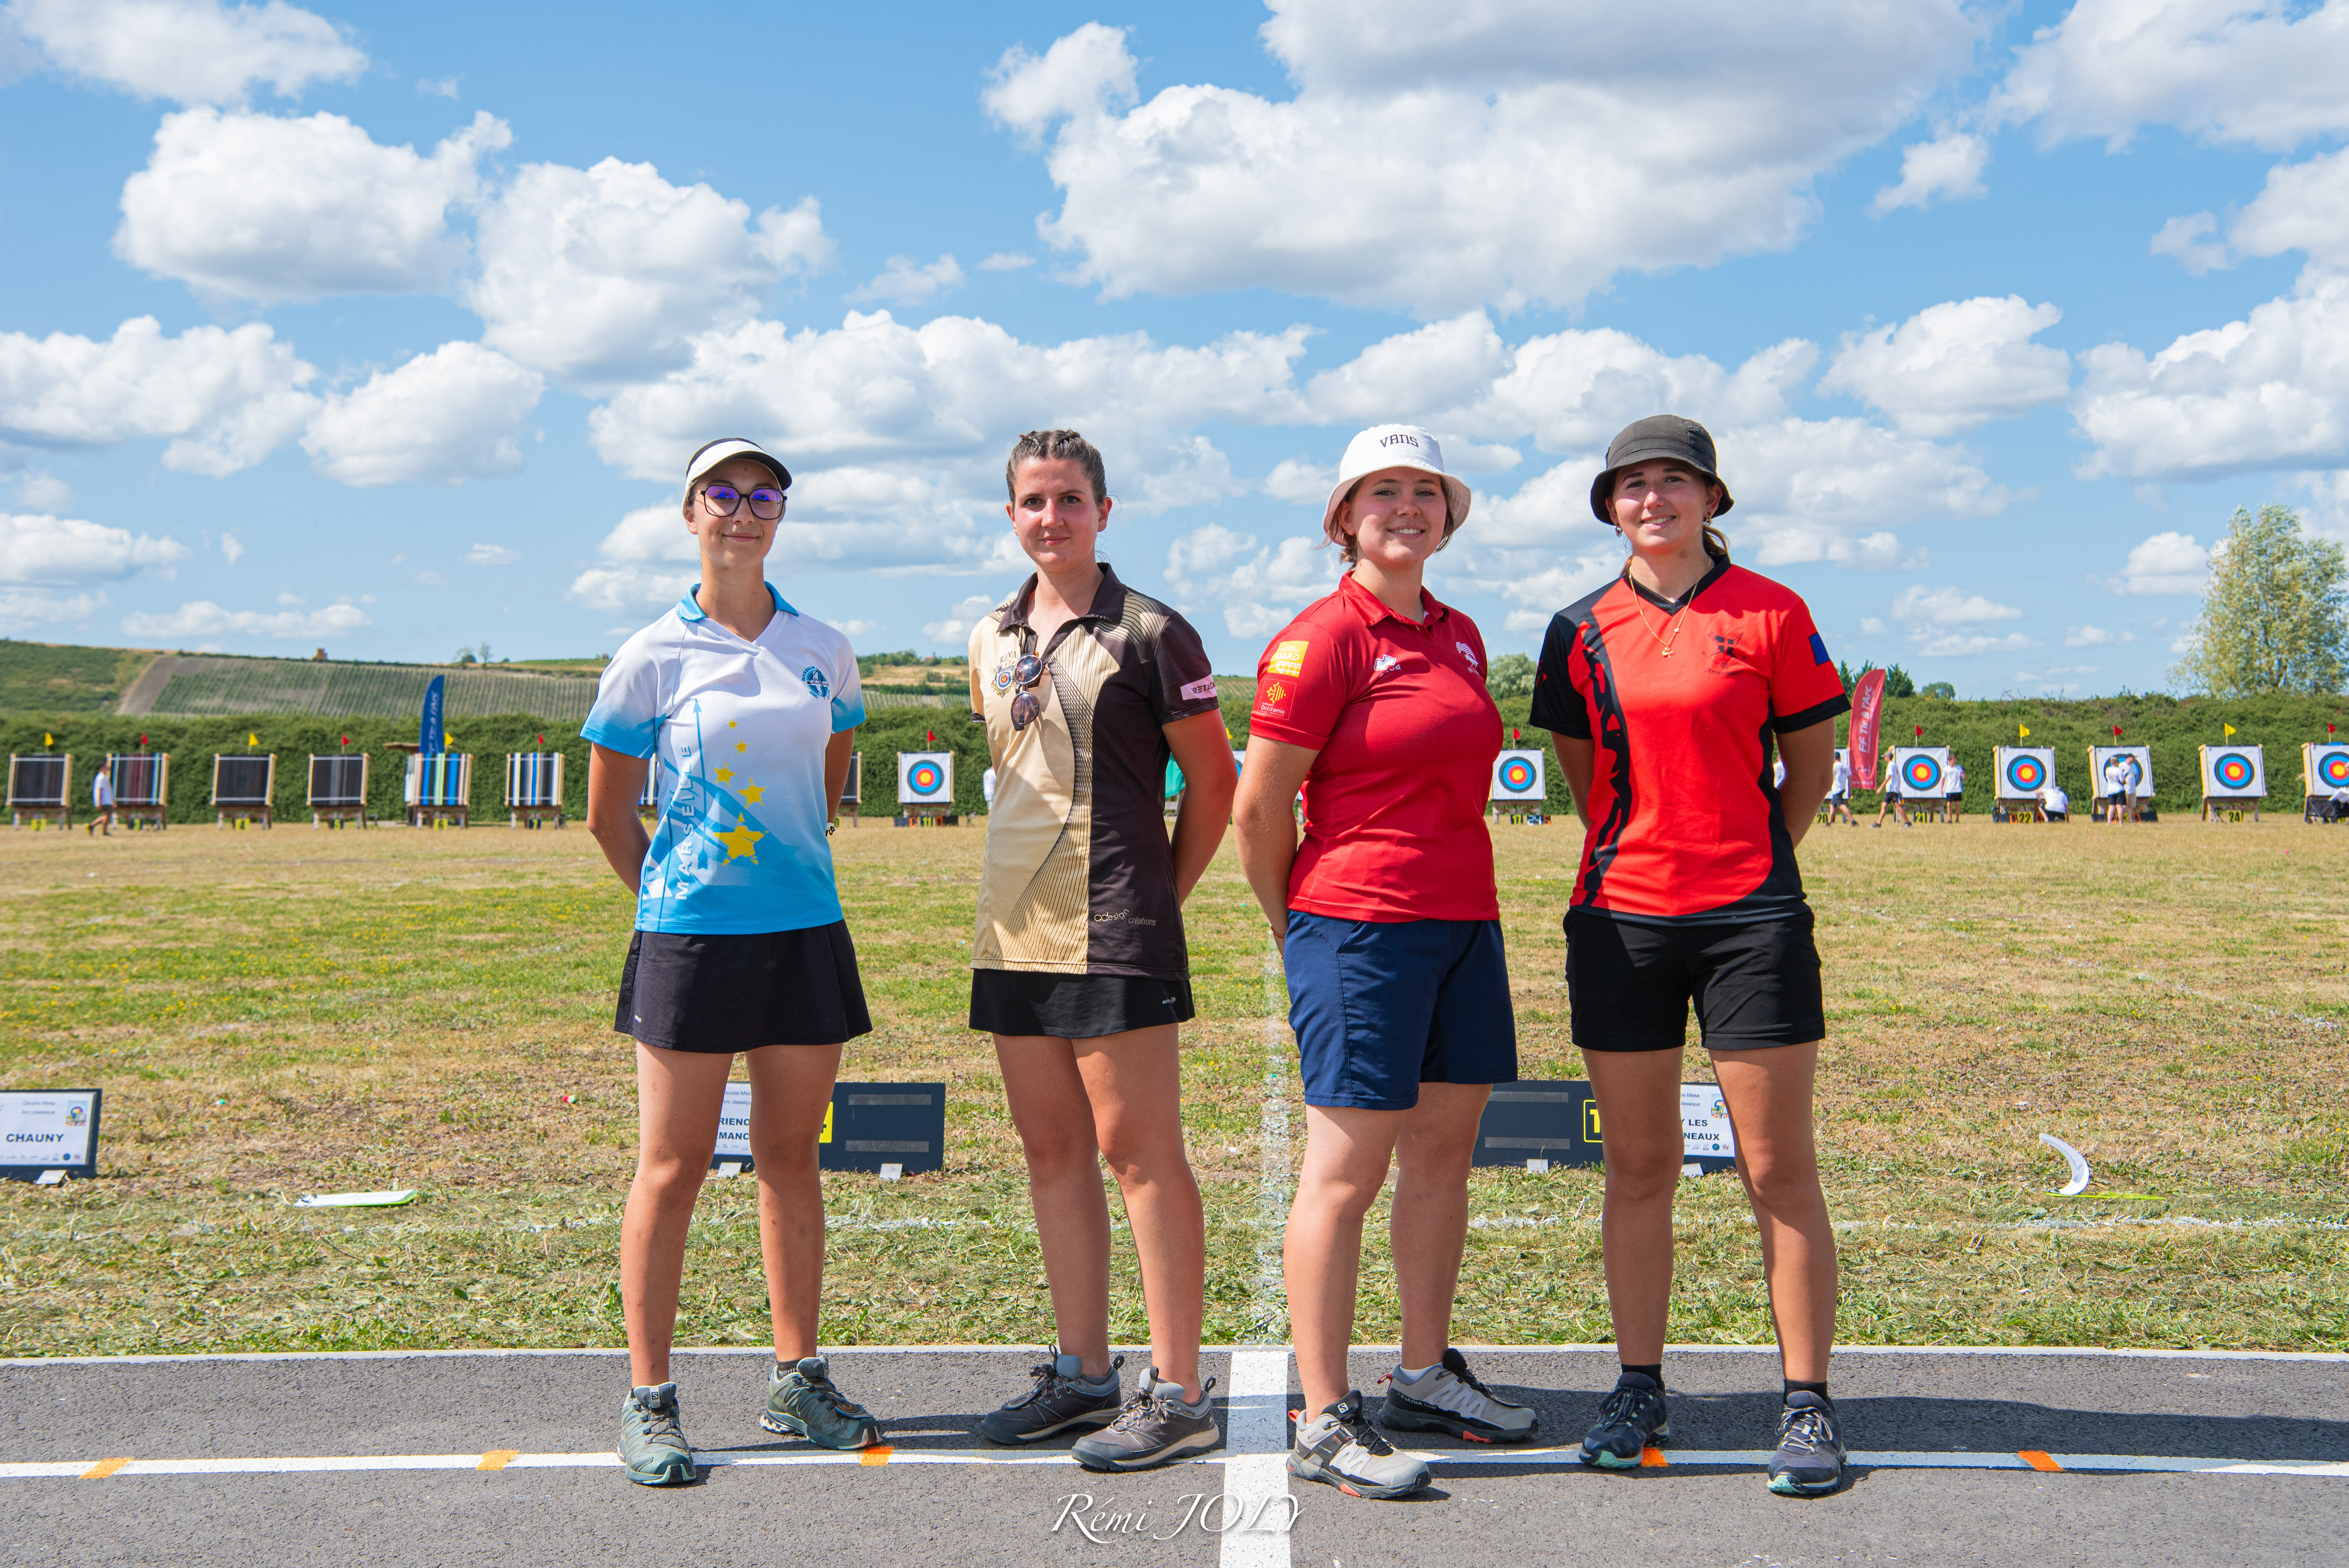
{"x":1633,"y":1417}
{"x":1448,"y":1398}
{"x":1341,"y":1447}
{"x":1155,"y":1427}
{"x":652,"y":1444}
{"x":804,"y":1401}
{"x":1809,"y":1460}
{"x":1062,"y":1397}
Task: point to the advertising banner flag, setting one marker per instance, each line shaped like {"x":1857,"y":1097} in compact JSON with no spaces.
{"x":431,"y":741}
{"x":1867,"y":714}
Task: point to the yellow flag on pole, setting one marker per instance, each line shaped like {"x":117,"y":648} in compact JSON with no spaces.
{"x":47,"y":739}
{"x":2228,"y":728}
{"x":253,"y":737}
{"x":2025,"y":729}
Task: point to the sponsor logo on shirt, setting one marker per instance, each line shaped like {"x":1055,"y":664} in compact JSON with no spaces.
{"x":1469,"y":653}
{"x":1199,"y":691}
{"x":1288,"y":658}
{"x":819,"y":688}
{"x":1268,"y":700}
{"x":1724,"y":653}
{"x":1384,"y":663}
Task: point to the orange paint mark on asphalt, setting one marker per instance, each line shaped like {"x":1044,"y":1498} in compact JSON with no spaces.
{"x":1653,"y":1459}
{"x":104,"y":1467}
{"x":498,"y":1459}
{"x":2038,"y":1460}
{"x":876,"y":1455}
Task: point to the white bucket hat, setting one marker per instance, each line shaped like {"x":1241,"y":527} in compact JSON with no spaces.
{"x":1395,"y":446}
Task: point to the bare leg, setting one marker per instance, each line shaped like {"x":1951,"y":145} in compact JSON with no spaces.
{"x":790,"y":1089}
{"x":1134,"y":1081}
{"x":1430,"y":1226}
{"x":679,"y":1094}
{"x":1346,"y":1155}
{"x":1638,"y":1095}
{"x":1055,"y":1119}
{"x":1769,"y":1096}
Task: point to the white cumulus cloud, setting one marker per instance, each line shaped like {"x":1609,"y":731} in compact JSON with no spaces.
{"x":1954,"y":365}
{"x":2303,"y":207}
{"x":64,"y":550}
{"x":905,"y":281}
{"x":223,"y":399}
{"x":2094,"y":637}
{"x":596,"y":275}
{"x":196,"y":51}
{"x":1508,"y":153}
{"x":492,"y":555}
{"x":2193,"y":239}
{"x":2169,"y":562}
{"x":21,"y":609}
{"x":202,"y":618}
{"x":1948,"y":169}
{"x":259,"y":207}
{"x":449,"y":415}
{"x":1935,"y":619}
{"x":955,"y":627}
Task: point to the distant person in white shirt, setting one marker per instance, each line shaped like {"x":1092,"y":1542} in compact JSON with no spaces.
{"x":1778,"y":774}
{"x":2116,"y":789}
{"x":2055,"y":803}
{"x":101,"y":795}
{"x":987,"y":787}
{"x":2336,"y":806}
{"x":1839,"y":792}
{"x":1957,"y":797}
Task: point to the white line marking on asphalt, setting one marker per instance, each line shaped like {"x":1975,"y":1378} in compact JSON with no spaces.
{"x":1270,"y":1307}
{"x":1257,"y":1509}
{"x":1254,"y":1480}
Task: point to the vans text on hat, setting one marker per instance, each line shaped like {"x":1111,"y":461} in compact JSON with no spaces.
{"x":1396,"y":447}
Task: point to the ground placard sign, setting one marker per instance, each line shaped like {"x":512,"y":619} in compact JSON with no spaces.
{"x":1558,"y":1121}
{"x":869,"y":1125}
{"x":48,"y":1129}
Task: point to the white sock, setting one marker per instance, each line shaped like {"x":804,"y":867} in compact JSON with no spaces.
{"x":1413,"y":1373}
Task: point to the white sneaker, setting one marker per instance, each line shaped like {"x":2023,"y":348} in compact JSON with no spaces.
{"x":1448,"y":1398}
{"x":1341,"y":1447}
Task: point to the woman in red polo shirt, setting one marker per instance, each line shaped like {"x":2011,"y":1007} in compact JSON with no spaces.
{"x":1389,"y":926}
{"x":1665,"y":690}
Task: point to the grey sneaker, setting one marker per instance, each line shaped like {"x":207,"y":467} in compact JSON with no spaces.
{"x":1155,"y":1427}
{"x":1632,"y":1419}
{"x":801,"y":1401}
{"x":1448,"y":1398}
{"x":652,"y":1444}
{"x":1062,"y":1397}
{"x":1341,"y":1447}
{"x":1809,"y":1460}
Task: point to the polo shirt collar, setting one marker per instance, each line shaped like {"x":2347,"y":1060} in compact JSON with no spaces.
{"x":1373,"y":609}
{"x":690,"y":609}
{"x":1109,"y":600}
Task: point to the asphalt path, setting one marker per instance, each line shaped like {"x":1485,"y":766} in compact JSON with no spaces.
{"x":502,"y":1458}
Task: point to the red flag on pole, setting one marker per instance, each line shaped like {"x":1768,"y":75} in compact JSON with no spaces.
{"x":1920,"y":732}
{"x":542,"y":738}
{"x":1867,"y":714}
{"x":1515,"y":738}
{"x":931,"y":735}
{"x":2328,"y":729}
{"x":2116,"y":732}
{"x":142,"y":737}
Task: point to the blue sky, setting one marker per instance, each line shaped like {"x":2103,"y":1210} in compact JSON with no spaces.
{"x":388,"y":329}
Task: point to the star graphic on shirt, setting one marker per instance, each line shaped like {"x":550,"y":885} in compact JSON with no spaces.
{"x":723,"y":774}
{"x":731,"y":724}
{"x":750,"y":793}
{"x":741,"y":746}
{"x":737,"y":841}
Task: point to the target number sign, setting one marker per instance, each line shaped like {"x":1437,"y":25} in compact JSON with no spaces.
{"x":1921,"y":772}
{"x":2234,"y":771}
{"x":926,"y":778}
{"x":2024,"y":770}
{"x":1519,"y":776}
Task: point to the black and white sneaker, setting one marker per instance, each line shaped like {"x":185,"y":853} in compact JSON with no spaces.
{"x":1341,"y":1447}
{"x":1632,"y":1419}
{"x":1809,"y":1460}
{"x":1447,"y":1397}
{"x":1062,"y":1397}
{"x":1155,"y":1427}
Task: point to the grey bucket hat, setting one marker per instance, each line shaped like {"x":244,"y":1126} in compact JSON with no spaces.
{"x":1665,"y":436}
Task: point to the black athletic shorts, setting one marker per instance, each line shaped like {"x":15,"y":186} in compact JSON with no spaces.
{"x":1073,"y":1007}
{"x":706,"y":993}
{"x":1629,"y":984}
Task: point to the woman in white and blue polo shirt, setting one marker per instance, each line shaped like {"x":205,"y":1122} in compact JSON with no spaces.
{"x":745,"y":708}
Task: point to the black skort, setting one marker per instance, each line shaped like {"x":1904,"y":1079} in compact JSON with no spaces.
{"x":1755,"y":986}
{"x":686,"y":992}
{"x":1074,"y":1006}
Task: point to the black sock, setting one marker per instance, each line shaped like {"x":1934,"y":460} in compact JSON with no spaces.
{"x":1820,"y":1388}
{"x":1655,"y":1373}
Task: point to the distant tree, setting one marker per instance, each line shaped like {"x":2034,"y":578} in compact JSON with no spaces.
{"x":1896,"y":679}
{"x":1512,"y":675}
{"x":2274,"y":615}
{"x":1942,"y":689}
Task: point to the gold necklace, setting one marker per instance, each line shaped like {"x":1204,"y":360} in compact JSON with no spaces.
{"x":1672,"y":623}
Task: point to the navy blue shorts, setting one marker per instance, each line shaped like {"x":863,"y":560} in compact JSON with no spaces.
{"x":1380,"y":1007}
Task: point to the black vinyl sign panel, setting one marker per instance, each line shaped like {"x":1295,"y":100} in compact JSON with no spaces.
{"x":1558,"y":1121}
{"x":870,"y":1125}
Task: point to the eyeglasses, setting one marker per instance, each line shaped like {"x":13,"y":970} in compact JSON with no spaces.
{"x":766,"y":501}
{"x":1025,"y":708}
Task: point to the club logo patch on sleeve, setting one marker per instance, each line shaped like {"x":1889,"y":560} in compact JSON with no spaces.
{"x":1199,"y":691}
{"x":1288,"y":658}
{"x":1268,"y":700}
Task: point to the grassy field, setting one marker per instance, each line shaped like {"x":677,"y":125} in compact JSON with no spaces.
{"x":275,"y":1014}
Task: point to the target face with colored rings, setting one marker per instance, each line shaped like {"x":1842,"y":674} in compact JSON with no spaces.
{"x":2027,"y":774}
{"x":2332,"y":769}
{"x":1922,"y":774}
{"x":2233,"y":769}
{"x":926,"y":778}
{"x":1518,"y":774}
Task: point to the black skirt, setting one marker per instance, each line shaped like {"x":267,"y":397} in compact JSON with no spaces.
{"x":684,"y":991}
{"x":1074,"y":1006}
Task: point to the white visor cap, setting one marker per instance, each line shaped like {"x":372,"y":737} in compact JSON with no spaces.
{"x":1394,"y":447}
{"x":718,"y":451}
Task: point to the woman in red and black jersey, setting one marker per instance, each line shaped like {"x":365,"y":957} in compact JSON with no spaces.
{"x":1669,"y":691}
